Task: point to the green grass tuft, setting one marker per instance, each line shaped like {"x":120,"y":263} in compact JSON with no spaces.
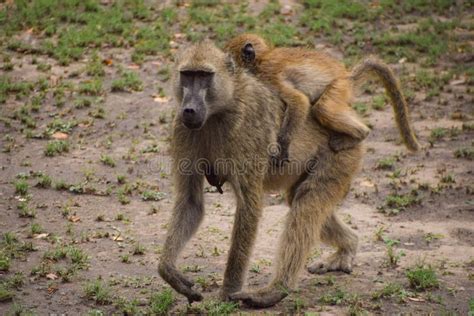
{"x":422,"y":277}
{"x":128,"y":81}
{"x":98,"y":291}
{"x":161,"y":302}
{"x":56,"y":147}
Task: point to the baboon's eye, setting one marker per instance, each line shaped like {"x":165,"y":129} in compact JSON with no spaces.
{"x":197,"y":73}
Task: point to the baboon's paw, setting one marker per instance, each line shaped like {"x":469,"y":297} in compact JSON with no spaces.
{"x":179,"y":282}
{"x":225,"y":295}
{"x":263,"y":298}
{"x":338,"y":262}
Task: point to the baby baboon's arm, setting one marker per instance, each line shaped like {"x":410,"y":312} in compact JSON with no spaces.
{"x":297,"y":109}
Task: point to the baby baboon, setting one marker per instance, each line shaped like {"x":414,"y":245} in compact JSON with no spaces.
{"x":303,"y":77}
{"x":225,"y":114}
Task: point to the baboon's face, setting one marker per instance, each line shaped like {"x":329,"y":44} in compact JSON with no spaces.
{"x":196,"y":90}
{"x":204,"y":84}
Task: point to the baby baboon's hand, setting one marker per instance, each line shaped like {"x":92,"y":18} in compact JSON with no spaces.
{"x":179,"y":282}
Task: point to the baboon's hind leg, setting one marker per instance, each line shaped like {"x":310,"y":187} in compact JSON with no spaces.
{"x":339,"y":235}
{"x":312,"y":203}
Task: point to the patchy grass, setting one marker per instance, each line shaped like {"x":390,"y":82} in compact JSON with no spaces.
{"x":392,"y":290}
{"x":153,"y":195}
{"x":58,"y":125}
{"x":98,"y":291}
{"x":107,"y":160}
{"x":91,"y":87}
{"x":401,"y":201}
{"x":422,"y":277}
{"x":5,"y":294}
{"x":128,"y":82}
{"x":438,"y":133}
{"x":95,"y":67}
{"x":138,"y":249}
{"x":56,"y":147}
{"x":465,"y":152}
{"x":4,"y":261}
{"x":21,"y":187}
{"x":361,"y":108}
{"x":393,"y":256}
{"x":213,"y":308}
{"x":44,"y":181}
{"x":161,"y":302}
{"x":386,"y":163}
{"x":336,"y":297}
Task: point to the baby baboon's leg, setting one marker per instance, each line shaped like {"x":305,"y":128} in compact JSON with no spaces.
{"x":339,"y":235}
{"x":334,"y":112}
{"x":313,"y":202}
{"x":244,"y":232}
{"x":297,"y":109}
{"x":187,"y":214}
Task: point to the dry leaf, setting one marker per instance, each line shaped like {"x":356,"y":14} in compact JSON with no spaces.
{"x":41,"y":236}
{"x":179,"y":35}
{"x":161,"y":99}
{"x":74,"y":218}
{"x":60,"y":135}
{"x":402,"y":60}
{"x":366,"y":183}
{"x":117,"y":238}
{"x":53,"y":288}
{"x":133,"y":66}
{"x":51,"y":276}
{"x":458,"y":82}
{"x":108,"y":62}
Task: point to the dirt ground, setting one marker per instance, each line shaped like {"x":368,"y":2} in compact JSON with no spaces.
{"x":110,"y":196}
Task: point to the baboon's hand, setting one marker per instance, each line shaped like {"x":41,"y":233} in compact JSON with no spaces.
{"x":179,"y":282}
{"x":263,"y":298}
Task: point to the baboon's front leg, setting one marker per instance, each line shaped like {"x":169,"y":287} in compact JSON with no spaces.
{"x":244,"y":232}
{"x":187,"y":215}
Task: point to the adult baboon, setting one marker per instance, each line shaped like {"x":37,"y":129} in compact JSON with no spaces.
{"x":226,"y":114}
{"x":303,"y":76}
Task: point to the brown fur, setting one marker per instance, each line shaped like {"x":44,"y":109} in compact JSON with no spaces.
{"x":243,"y":123}
{"x":303,"y":76}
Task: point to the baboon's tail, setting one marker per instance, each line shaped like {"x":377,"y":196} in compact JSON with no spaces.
{"x":373,"y":66}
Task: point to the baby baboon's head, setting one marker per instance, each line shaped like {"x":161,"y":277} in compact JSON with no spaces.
{"x":246,"y":49}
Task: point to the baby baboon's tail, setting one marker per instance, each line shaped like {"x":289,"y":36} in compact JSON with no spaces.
{"x":374,"y":67}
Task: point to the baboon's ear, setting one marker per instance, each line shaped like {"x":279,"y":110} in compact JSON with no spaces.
{"x":230,"y":63}
{"x":248,"y":53}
